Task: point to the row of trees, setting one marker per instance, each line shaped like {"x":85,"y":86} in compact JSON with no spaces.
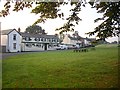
{"x":109,"y":27}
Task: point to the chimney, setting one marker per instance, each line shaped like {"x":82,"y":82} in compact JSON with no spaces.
{"x":19,"y":30}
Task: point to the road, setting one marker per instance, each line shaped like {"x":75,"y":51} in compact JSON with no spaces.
{"x":3,"y":56}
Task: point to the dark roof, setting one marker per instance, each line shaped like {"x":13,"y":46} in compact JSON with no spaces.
{"x":38,"y":35}
{"x":74,"y":38}
{"x":81,"y":38}
{"x":5,"y":32}
{"x":90,"y":39}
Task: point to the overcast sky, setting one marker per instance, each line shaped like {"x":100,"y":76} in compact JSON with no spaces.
{"x":24,"y":18}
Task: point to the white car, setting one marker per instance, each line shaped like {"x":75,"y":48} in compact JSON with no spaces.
{"x":63,"y":47}
{"x":77,"y":46}
{"x":58,"y":48}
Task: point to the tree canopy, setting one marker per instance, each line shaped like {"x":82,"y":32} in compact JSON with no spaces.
{"x":49,"y":10}
{"x":111,"y":19}
{"x":35,"y":29}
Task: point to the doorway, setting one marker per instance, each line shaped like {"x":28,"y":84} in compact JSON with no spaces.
{"x":45,"y":46}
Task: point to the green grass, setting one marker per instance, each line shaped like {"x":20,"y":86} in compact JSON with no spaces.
{"x":63,"y":69}
{"x":0,"y":74}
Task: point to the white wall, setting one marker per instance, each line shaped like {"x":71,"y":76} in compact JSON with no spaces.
{"x":11,"y":41}
{"x":33,"y":48}
{"x":87,"y":42}
{"x":74,"y":42}
{"x":66,"y":40}
{"x":3,"y":40}
{"x":51,"y":48}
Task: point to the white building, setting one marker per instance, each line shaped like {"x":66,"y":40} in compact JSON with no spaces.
{"x":14,"y":41}
{"x":69,"y":40}
{"x":88,"y":41}
{"x":11,"y":40}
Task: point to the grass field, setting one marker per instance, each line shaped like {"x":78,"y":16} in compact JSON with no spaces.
{"x":0,"y":74}
{"x":63,"y":69}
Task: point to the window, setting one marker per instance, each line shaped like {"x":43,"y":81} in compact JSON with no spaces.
{"x":45,"y":39}
{"x":28,"y":39}
{"x":49,"y":40}
{"x":52,"y":40}
{"x":41,"y":39}
{"x":33,"y":44}
{"x":23,"y":38}
{"x":38,"y":45}
{"x":14,"y":45}
{"x":14,"y":36}
{"x":37,"y":39}
{"x":28,"y":45}
{"x":57,"y":40}
{"x":50,"y":46}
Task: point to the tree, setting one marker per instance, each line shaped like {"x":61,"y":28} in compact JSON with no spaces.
{"x":35,"y":29}
{"x":49,"y":10}
{"x":111,"y":19}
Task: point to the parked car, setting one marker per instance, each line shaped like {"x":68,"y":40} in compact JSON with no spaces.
{"x":77,"y":46}
{"x":71,"y":47}
{"x":63,"y":47}
{"x":58,"y":48}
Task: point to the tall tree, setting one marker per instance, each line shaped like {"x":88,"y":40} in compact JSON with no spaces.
{"x":35,"y":29}
{"x":49,"y":10}
{"x":110,"y":25}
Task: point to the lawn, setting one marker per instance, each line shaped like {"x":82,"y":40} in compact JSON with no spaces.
{"x":0,"y":74}
{"x":63,"y":69}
